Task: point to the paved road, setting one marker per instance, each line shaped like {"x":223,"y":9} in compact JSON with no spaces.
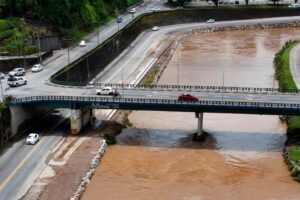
{"x":21,"y":164}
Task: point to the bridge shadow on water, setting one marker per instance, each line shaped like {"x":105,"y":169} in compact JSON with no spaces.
{"x":216,"y":140}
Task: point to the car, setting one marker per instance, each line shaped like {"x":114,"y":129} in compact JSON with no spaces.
{"x":178,"y":8}
{"x":132,"y":10}
{"x":56,"y":113}
{"x":82,"y":43}
{"x":187,"y":97}
{"x":37,"y":68}
{"x":14,"y":81}
{"x":154,"y":9}
{"x":32,"y":138}
{"x":107,"y":91}
{"x":155,"y":28}
{"x":294,"y":5}
{"x":17,"y":72}
{"x":210,"y":21}
{"x":119,"y":19}
{"x":2,"y":76}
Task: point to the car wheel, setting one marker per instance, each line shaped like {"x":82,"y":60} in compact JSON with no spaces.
{"x":98,"y":93}
{"x":23,"y":73}
{"x":25,"y":82}
{"x":17,"y":84}
{"x":110,"y":93}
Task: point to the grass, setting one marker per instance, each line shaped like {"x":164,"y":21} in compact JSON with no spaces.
{"x":294,"y":153}
{"x":283,"y":73}
{"x":286,"y":84}
{"x":148,"y":79}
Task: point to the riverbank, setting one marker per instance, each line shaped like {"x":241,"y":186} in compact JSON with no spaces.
{"x":291,"y":151}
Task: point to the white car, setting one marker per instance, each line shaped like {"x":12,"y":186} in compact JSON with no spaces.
{"x":106,"y":91}
{"x":154,"y":9}
{"x":32,"y":138}
{"x":15,"y":81}
{"x":294,"y":5}
{"x":210,"y":21}
{"x":2,"y":75}
{"x":56,"y":113}
{"x":132,"y":10}
{"x":155,"y":28}
{"x":82,"y":43}
{"x":37,"y":68}
{"x":17,"y":72}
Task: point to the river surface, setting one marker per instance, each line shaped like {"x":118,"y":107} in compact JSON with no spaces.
{"x":241,"y":158}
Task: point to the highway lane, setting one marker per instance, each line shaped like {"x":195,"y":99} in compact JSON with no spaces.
{"x":207,"y":96}
{"x":128,"y":62}
{"x":21,"y":164}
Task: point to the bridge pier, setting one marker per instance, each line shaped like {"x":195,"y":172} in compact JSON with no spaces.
{"x":79,"y":118}
{"x":199,"y":135}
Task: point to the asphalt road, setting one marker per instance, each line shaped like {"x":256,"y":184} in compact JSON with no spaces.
{"x":21,"y":164}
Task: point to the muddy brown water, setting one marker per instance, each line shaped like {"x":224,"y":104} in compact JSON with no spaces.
{"x":241,"y":159}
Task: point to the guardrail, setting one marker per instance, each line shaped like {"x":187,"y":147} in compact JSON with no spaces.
{"x":120,"y":101}
{"x":192,"y":88}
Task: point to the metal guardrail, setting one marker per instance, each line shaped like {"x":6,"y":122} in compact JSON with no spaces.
{"x":82,"y":99}
{"x":194,"y":88}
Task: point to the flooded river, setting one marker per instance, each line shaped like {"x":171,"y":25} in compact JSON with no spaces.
{"x":241,"y":158}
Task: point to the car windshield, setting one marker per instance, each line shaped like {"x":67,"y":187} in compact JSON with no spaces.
{"x":30,"y":136}
{"x":12,"y":79}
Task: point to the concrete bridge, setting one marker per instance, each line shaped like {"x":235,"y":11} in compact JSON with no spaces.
{"x":264,"y":101}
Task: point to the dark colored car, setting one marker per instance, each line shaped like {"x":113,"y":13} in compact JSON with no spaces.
{"x":187,"y":97}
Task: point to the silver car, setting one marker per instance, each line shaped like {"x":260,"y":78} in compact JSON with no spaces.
{"x":17,"y":72}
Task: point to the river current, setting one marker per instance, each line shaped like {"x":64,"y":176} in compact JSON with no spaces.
{"x":240,"y":159}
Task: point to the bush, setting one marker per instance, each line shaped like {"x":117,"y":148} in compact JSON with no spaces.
{"x":110,"y":139}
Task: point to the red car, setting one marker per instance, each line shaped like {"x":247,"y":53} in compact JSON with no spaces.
{"x":187,"y":97}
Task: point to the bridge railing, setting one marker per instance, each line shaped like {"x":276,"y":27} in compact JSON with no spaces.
{"x":193,"y":88}
{"x":111,"y":100}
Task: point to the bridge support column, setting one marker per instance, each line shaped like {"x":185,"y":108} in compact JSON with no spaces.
{"x":79,"y":118}
{"x":199,"y":135}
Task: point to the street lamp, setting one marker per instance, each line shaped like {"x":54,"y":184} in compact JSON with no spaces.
{"x":22,"y":21}
{"x":178,"y":67}
{"x":223,"y":80}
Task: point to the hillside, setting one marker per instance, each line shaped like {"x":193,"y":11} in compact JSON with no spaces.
{"x":71,"y":18}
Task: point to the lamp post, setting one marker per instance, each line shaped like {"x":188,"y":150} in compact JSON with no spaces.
{"x":1,"y":90}
{"x":39,"y":48}
{"x":178,"y":67}
{"x":22,"y":21}
{"x":223,"y":80}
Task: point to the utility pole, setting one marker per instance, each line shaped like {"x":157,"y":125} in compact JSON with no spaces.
{"x":178,"y":67}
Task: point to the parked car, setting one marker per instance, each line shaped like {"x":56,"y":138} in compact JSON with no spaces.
{"x":178,"y":8}
{"x":187,"y":97}
{"x":17,"y":72}
{"x":32,"y":138}
{"x":107,"y":91}
{"x":37,"y":68}
{"x":155,"y":28}
{"x":294,"y":5}
{"x":132,"y":10}
{"x":2,"y":76}
{"x":154,"y":9}
{"x":119,"y":19}
{"x":210,"y":21}
{"x":82,"y":43}
{"x":56,"y":113}
{"x":15,"y":81}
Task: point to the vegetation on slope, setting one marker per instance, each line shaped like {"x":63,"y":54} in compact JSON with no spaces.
{"x":71,"y":18}
{"x":286,"y":84}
